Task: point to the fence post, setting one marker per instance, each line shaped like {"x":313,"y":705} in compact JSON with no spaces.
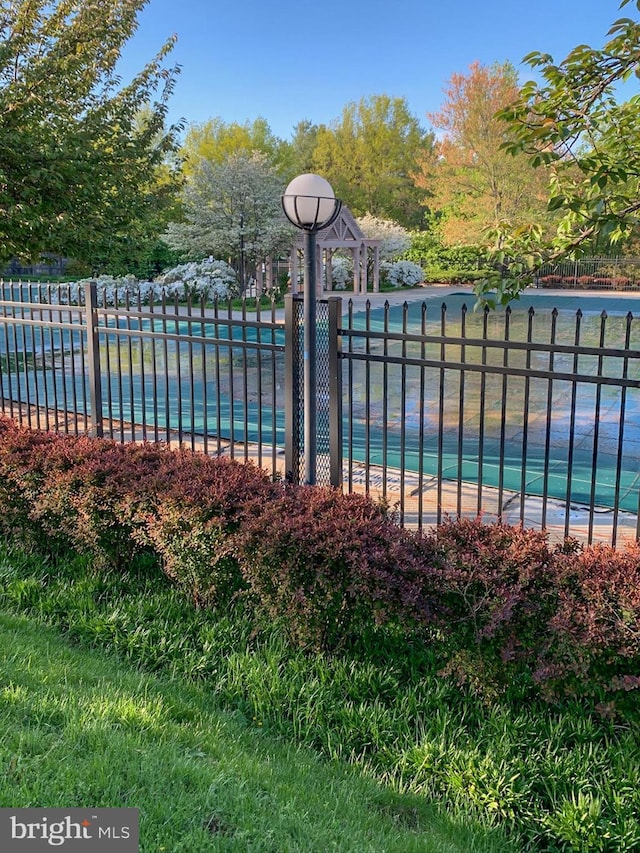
{"x":93,"y":358}
{"x":292,"y":390}
{"x":335,"y":391}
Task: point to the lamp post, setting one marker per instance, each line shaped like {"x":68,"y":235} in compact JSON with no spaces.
{"x":309,"y":203}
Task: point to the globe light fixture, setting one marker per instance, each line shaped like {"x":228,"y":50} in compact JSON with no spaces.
{"x":310,"y":203}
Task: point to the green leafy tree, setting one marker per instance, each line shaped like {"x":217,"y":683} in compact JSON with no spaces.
{"x":216,"y":141}
{"x":79,"y":167}
{"x":575,"y":123}
{"x":232,"y":210}
{"x":298,"y":154}
{"x":369,"y":157}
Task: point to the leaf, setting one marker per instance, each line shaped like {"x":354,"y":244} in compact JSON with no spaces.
{"x":556,"y":202}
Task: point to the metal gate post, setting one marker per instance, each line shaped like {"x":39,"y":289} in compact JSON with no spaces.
{"x":292,"y":390}
{"x":335,"y":391}
{"x":93,"y":357}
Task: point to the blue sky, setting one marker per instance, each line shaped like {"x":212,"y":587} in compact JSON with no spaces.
{"x":286,"y":61}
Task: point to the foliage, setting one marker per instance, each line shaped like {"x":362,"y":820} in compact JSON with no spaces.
{"x":593,"y":639}
{"x":573,"y":125}
{"x":435,"y":275}
{"x":232,"y":209}
{"x":402,"y":273}
{"x":552,"y":776}
{"x":22,"y":475}
{"x":466,"y":175}
{"x":208,"y":279}
{"x":94,"y":496}
{"x":297,"y":154}
{"x":217,"y":141}
{"x":446,"y":264}
{"x":589,"y":282}
{"x":495,"y":596}
{"x":394,"y":238}
{"x":161,"y":740}
{"x":341,"y":272}
{"x":332,"y":566}
{"x":435,"y":254}
{"x":369,"y":156}
{"x":84,"y":158}
{"x":328,"y":566}
{"x":201,"y":503}
{"x":145,"y":260}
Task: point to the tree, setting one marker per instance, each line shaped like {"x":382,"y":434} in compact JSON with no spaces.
{"x":468,"y":178}
{"x":232,"y":209}
{"x":78,"y":168}
{"x":395,"y":240}
{"x":217,"y":141}
{"x":298,"y":154}
{"x":369,"y":157}
{"x":574,"y":124}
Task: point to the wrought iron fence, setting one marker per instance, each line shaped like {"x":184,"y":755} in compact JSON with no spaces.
{"x":595,"y":273}
{"x":532,"y":416}
{"x":211,"y":379}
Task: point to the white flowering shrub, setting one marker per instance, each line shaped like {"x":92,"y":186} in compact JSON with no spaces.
{"x":402,"y":273}
{"x":209,"y":278}
{"x":341,"y":272}
{"x":111,"y":287}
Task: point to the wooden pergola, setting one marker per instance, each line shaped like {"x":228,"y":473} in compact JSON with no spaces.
{"x":344,"y":233}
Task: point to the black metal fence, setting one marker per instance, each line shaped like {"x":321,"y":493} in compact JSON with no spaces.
{"x":594,"y":273}
{"x":532,"y":416}
{"x":75,"y":361}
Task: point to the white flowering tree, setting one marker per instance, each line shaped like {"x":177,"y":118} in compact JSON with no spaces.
{"x":395,"y":240}
{"x":232,"y":210}
{"x":341,"y":272}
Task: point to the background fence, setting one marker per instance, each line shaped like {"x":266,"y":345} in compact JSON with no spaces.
{"x":592,"y":274}
{"x":532,"y":416}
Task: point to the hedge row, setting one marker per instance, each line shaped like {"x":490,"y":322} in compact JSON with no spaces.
{"x":498,"y":601}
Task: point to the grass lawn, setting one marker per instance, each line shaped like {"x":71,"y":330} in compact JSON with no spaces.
{"x":279,"y":750}
{"x":79,"y":727}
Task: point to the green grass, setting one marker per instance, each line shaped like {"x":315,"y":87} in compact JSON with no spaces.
{"x":250,"y":303}
{"x":81,"y":729}
{"x":554,"y":777}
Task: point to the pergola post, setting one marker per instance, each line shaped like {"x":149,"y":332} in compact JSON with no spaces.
{"x":329,"y":268}
{"x":363,"y":267}
{"x":376,"y":269}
